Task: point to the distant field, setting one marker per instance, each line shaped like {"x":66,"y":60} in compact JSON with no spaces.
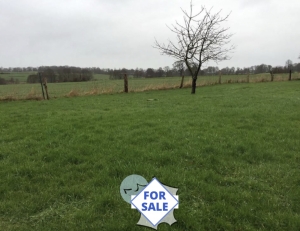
{"x":21,"y":76}
{"x":101,"y":77}
{"x":232,"y":150}
{"x":102,"y":84}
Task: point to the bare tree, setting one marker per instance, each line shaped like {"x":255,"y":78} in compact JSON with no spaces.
{"x":199,"y":39}
{"x":167,"y":71}
{"x":289,"y":64}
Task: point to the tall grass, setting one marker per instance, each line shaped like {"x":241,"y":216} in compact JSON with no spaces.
{"x":106,"y":86}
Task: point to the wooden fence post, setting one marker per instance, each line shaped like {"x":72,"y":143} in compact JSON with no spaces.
{"x":42,"y":85}
{"x":220,"y":77}
{"x":182,"y":79}
{"x":272,"y":76}
{"x":125,"y":83}
{"x":46,"y":88}
{"x":290,"y":76}
{"x":248,"y":78}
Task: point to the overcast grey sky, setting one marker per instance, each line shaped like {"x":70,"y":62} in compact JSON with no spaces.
{"x":121,"y":33}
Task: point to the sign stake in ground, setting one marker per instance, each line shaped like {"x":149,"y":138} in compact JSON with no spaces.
{"x":42,"y":85}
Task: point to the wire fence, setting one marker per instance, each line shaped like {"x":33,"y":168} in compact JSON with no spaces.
{"x":106,"y":86}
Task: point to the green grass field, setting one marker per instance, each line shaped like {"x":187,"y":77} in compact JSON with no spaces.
{"x":102,"y":84}
{"x":231,"y":149}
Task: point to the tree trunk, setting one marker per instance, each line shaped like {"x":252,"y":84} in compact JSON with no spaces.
{"x":182,"y":79}
{"x":194,"y":85}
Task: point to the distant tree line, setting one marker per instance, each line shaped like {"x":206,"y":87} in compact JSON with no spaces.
{"x":56,"y":74}
{"x":143,"y":73}
{"x":76,"y":74}
{"x":176,"y":71}
{"x":18,"y":69}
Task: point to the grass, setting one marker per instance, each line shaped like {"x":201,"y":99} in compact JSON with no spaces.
{"x":232,"y":150}
{"x":102,"y":84}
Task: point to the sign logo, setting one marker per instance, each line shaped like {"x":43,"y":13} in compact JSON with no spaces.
{"x":156,"y":202}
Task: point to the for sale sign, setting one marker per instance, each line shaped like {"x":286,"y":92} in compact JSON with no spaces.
{"x":155,"y":202}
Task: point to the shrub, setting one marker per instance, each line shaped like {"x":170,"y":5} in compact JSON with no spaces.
{"x":2,"y":81}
